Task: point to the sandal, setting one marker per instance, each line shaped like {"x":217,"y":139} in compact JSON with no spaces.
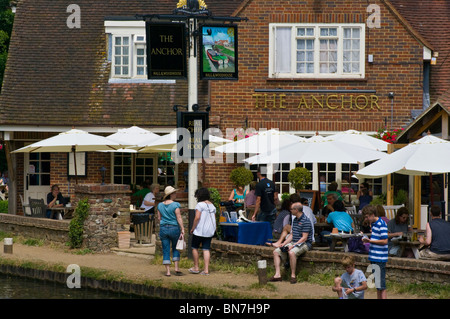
{"x":293,"y":280}
{"x":273,"y":279}
{"x":192,"y":271}
{"x":204,"y":273}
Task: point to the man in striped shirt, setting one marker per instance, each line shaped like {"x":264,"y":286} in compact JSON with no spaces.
{"x":378,"y":251}
{"x":295,"y":245}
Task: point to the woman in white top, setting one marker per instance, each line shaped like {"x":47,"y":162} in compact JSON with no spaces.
{"x":203,"y":229}
{"x":149,"y":201}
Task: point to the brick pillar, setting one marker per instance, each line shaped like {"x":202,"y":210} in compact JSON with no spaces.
{"x":109,"y":213}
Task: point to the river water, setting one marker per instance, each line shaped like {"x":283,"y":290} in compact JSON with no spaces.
{"x":14,"y":287}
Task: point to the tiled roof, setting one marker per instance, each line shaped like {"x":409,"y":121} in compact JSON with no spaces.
{"x":59,"y":76}
{"x":431,"y":19}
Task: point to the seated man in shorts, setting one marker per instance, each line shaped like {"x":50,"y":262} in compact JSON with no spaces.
{"x":294,"y":246}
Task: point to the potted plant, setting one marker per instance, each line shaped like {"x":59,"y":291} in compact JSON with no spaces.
{"x":299,"y":177}
{"x":241,"y":176}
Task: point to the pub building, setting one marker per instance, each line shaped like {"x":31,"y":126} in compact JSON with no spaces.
{"x":303,"y":67}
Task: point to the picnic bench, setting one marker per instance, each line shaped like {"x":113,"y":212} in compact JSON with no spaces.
{"x":391,"y":210}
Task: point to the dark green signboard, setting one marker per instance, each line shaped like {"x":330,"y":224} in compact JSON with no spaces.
{"x":192,"y":134}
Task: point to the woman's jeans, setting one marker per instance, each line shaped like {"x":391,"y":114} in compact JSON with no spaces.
{"x":169,"y":235}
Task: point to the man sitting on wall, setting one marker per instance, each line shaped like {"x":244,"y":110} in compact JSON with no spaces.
{"x":437,"y":237}
{"x":294,"y":246}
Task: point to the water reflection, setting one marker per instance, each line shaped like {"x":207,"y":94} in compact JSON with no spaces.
{"x":14,"y":287}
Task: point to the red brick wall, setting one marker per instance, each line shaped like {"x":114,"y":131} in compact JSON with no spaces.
{"x":397,"y":67}
{"x":95,"y":160}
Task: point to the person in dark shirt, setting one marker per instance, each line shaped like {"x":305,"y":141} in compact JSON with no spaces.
{"x":54,"y":199}
{"x":266,"y":200}
{"x":438,"y":237}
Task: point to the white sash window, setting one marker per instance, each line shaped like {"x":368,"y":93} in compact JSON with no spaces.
{"x":316,"y":51}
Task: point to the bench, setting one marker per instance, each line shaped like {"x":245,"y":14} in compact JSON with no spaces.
{"x":391,"y":210}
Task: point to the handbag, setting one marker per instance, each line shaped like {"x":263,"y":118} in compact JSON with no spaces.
{"x":181,"y":244}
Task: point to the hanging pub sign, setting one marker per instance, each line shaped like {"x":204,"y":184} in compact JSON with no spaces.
{"x":192,"y":135}
{"x":218,"y":52}
{"x":166,"y":50}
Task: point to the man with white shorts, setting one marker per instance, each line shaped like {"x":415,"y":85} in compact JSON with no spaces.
{"x":294,"y":246}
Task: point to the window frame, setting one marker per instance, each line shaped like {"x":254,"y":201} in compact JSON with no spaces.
{"x":133,"y":30}
{"x":293,"y":54}
{"x":113,"y":56}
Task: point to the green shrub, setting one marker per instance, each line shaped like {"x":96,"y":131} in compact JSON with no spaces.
{"x":379,"y":200}
{"x":241,"y":176}
{"x":299,"y":177}
{"x":401,"y":197}
{"x":76,"y":226}
{"x":215,"y":199}
{"x":4,"y":206}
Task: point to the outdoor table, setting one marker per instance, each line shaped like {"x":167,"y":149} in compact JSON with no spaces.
{"x":64,"y":212}
{"x":250,"y":233}
{"x":137,"y":210}
{"x":414,"y":245}
{"x":343,"y":237}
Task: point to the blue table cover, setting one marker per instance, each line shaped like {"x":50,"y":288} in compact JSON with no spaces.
{"x":250,"y":233}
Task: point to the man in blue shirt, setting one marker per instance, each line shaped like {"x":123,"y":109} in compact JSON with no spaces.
{"x":340,"y":218}
{"x":295,"y":245}
{"x":378,"y":250}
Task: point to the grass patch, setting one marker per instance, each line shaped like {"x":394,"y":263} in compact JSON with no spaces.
{"x":82,"y":251}
{"x":269,"y":286}
{"x":214,"y":265}
{"x":428,"y":290}
{"x":33,"y":242}
{"x":425,"y":290}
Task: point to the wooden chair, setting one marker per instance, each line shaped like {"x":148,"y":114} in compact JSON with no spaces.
{"x":24,"y":206}
{"x":143,"y":227}
{"x":351,"y":210}
{"x":37,"y":207}
{"x":391,"y":210}
{"x":356,"y":217}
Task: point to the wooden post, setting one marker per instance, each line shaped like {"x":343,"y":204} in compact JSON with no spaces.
{"x":262,"y":272}
{"x":390,"y":187}
{"x":417,"y":200}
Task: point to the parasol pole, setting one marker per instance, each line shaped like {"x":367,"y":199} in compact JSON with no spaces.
{"x":75,"y":164}
{"x":431,"y":189}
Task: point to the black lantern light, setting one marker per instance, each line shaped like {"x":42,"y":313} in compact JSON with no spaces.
{"x":103,"y":172}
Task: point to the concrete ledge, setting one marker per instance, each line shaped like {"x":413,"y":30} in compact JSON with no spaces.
{"x":404,"y":270}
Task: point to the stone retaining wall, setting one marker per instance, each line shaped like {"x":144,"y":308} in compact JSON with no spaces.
{"x":108,"y":214}
{"x":404,"y":270}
